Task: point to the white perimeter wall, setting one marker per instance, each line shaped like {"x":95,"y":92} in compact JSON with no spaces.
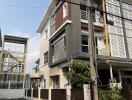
{"x":12,"y":93}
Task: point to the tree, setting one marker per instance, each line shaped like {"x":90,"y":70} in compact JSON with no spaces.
{"x":78,"y":73}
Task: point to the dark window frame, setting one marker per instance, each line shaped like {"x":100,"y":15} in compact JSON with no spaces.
{"x":84,"y":43}
{"x":46,"y":57}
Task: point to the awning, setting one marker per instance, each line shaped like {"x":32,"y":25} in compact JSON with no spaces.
{"x":120,"y":64}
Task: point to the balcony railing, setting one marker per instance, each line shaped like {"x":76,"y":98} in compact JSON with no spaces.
{"x":84,"y":15}
{"x":11,"y":85}
{"x":97,"y":18}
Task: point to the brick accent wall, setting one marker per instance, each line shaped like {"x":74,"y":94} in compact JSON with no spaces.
{"x":59,"y":16}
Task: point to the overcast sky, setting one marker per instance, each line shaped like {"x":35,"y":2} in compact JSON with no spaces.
{"x":21,"y":18}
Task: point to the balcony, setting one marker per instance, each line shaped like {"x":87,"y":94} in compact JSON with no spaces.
{"x":98,"y":18}
{"x":84,"y":15}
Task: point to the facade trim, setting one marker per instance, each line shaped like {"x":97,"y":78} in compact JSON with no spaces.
{"x":66,"y":22}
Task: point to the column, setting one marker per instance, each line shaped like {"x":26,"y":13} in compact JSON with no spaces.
{"x":39,"y":92}
{"x":9,"y":85}
{"x":32,"y":93}
{"x":111,"y":72}
{"x":68,"y":93}
{"x":49,"y":98}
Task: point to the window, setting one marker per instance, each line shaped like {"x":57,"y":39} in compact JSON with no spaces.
{"x":64,"y":41}
{"x":84,"y":43}
{"x":52,"y":21}
{"x":56,"y":82}
{"x":46,"y":57}
{"x":65,"y":10}
{"x":44,"y":83}
{"x":83,"y":11}
{"x":46,"y":34}
{"x":84,"y":27}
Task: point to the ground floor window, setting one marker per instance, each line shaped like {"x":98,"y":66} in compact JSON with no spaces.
{"x":44,"y":83}
{"x":56,"y":81}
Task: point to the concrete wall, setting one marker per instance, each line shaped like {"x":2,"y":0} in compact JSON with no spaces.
{"x":44,"y":42}
{"x":63,"y":80}
{"x":44,"y":47}
{"x":75,"y":35}
{"x":45,"y":71}
{"x":11,"y":93}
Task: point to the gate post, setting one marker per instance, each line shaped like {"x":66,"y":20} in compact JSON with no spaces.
{"x":87,"y":91}
{"x":9,"y":85}
{"x":26,"y":92}
{"x":32,"y":93}
{"x":49,"y":93}
{"x":39,"y":93}
{"x":68,"y":92}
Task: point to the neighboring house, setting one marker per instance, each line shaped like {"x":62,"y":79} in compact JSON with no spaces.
{"x":13,"y":62}
{"x":64,"y":37}
{"x":13,"y":58}
{"x":35,"y":76}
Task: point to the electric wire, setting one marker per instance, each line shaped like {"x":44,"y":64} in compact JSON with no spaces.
{"x":13,"y":5}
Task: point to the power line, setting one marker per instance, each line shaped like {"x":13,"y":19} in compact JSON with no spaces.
{"x":23,"y":6}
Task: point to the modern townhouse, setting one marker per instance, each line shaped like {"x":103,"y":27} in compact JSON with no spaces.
{"x":64,"y":37}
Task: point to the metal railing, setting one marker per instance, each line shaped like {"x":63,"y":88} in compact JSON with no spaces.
{"x":84,"y":16}
{"x":11,"y":85}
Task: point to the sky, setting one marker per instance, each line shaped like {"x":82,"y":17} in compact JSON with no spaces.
{"x":21,"y":18}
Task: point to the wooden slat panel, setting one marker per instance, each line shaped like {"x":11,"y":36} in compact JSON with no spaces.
{"x":44,"y":94}
{"x":77,"y":94}
{"x":58,"y":94}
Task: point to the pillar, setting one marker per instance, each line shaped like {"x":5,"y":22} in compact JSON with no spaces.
{"x":68,"y":92}
{"x":120,"y":77}
{"x":111,"y":72}
{"x":32,"y":93}
{"x":87,"y":91}
{"x":9,"y":85}
{"x":39,"y":92}
{"x":49,"y":98}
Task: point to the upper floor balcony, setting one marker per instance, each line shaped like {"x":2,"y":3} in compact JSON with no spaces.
{"x":98,"y":18}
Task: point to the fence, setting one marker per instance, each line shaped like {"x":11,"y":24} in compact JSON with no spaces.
{"x":54,"y":94}
{"x":64,"y":94}
{"x":127,"y":92}
{"x":44,"y":93}
{"x":35,"y":93}
{"x":77,"y":94}
{"x":58,"y":94}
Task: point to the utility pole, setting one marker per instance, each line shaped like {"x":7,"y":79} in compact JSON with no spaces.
{"x":92,"y":51}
